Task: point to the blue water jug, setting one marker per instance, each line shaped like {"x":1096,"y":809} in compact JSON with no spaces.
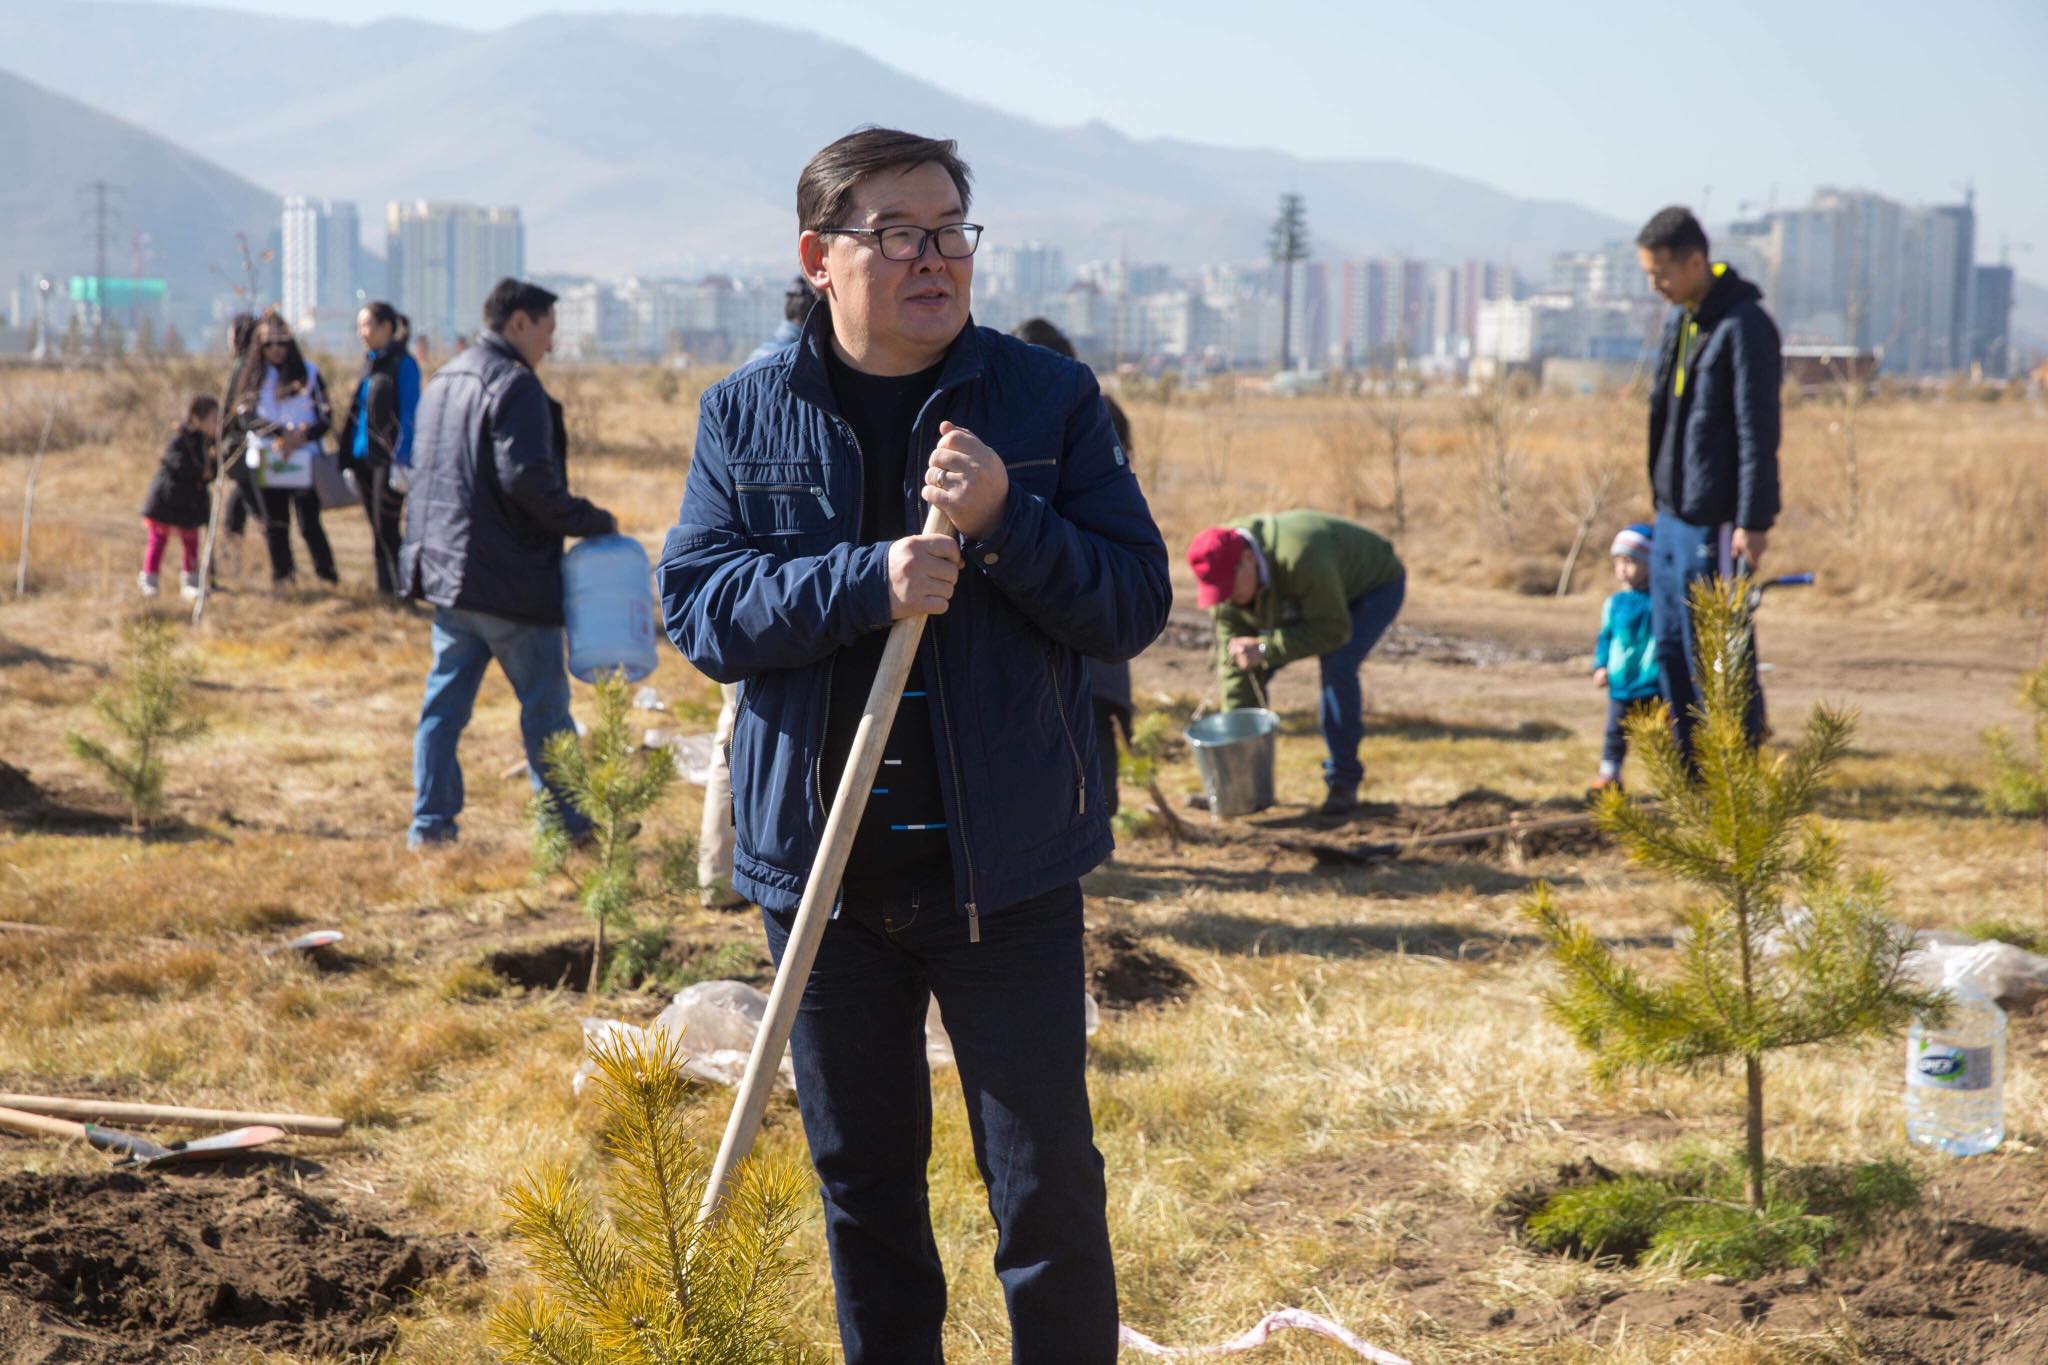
{"x":608,"y":596}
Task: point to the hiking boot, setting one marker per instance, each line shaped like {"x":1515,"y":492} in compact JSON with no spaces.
{"x":148,"y":583}
{"x":188,"y":586}
{"x":1338,"y":801}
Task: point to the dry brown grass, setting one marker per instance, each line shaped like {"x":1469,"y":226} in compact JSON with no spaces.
{"x":1329,"y":1030}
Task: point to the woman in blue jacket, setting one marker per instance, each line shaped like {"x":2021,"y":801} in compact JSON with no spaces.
{"x":376,"y":435}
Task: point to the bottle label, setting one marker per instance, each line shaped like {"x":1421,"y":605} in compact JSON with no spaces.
{"x":1942,"y":1066}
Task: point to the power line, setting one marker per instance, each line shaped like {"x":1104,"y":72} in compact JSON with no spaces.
{"x":98,"y":194}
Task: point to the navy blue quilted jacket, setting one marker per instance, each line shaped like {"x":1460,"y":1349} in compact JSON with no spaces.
{"x":767,"y":576}
{"x":1714,"y":437}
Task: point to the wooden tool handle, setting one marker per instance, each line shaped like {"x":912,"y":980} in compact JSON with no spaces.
{"x":121,"y":1112}
{"x":821,"y":890}
{"x":39,"y":1125}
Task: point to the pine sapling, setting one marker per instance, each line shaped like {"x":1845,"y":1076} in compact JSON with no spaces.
{"x":2019,"y":783}
{"x":637,"y":1279}
{"x":149,"y":706}
{"x":611,"y":781}
{"x":1784,"y":951}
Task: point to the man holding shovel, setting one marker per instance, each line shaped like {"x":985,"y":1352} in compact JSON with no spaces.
{"x":797,"y":547}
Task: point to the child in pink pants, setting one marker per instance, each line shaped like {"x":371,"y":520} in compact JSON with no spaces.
{"x":177,"y":495}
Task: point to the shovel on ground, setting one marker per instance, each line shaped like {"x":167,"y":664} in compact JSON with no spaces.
{"x":140,"y":1151}
{"x":821,"y":890}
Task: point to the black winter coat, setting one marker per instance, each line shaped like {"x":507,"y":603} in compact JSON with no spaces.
{"x":383,"y":404}
{"x":490,"y":502}
{"x":1714,"y":446}
{"x":177,"y":495}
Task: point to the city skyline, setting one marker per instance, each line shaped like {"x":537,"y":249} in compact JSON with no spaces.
{"x":1903,"y":101}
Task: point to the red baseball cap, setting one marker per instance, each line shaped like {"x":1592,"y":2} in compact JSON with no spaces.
{"x":1213,"y":556}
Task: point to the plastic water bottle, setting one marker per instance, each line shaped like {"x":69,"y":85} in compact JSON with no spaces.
{"x":1955,"y":1074}
{"x":608,"y":598}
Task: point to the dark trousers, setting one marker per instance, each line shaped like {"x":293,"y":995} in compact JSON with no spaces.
{"x":1682,"y":554}
{"x":385,"y":511}
{"x":1110,"y":721}
{"x":1013,"y":1009}
{"x":1614,"y":749}
{"x":277,"y":506}
{"x":1342,"y":713}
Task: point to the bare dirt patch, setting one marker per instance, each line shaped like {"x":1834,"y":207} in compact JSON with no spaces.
{"x":1124,"y":972}
{"x":116,"y":1268}
{"x":25,"y":806}
{"x":1963,"y":1279}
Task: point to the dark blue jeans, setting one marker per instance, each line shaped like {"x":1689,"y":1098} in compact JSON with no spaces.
{"x":1681,"y":554}
{"x":465,"y":642}
{"x":1614,"y":751}
{"x":1012,"y":1006}
{"x":1343,"y":706}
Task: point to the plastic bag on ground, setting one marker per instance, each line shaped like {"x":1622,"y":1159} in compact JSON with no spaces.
{"x":2010,"y":975}
{"x":693,"y":753}
{"x":716,"y":1022}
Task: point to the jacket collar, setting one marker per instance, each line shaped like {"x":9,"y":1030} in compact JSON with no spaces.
{"x":810,"y":380}
{"x":491,"y":341}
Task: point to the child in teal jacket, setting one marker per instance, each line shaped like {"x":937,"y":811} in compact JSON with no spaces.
{"x":1625,"y":659}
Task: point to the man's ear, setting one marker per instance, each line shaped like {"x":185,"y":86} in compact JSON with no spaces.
{"x":810,"y":254}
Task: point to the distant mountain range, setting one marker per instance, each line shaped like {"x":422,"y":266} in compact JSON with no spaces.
{"x":641,"y":143}
{"x":187,"y":208}
{"x":652,"y":142}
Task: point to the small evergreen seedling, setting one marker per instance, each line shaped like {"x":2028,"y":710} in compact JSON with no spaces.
{"x":642,"y":1283}
{"x":2019,"y":784}
{"x":612,"y":782}
{"x":150,"y":707}
{"x":1755,"y":973}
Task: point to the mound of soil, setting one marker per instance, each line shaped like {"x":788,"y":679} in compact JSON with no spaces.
{"x":115,"y":1268}
{"x":564,"y":963}
{"x":26,"y":806}
{"x":1123,"y":973}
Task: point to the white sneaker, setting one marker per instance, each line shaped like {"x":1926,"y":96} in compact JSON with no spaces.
{"x":188,"y":586}
{"x":147,"y":582}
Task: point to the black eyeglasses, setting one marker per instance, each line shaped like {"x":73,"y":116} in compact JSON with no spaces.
{"x":955,"y":241}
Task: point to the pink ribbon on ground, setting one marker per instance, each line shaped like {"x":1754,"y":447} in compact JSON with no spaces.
{"x":1297,"y":1319}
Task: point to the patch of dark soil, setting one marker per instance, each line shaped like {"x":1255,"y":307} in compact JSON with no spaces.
{"x":1383,"y":829}
{"x":24,"y":806}
{"x":718,"y":959}
{"x":1124,"y":973}
{"x":543,"y":966}
{"x":114,"y":1268}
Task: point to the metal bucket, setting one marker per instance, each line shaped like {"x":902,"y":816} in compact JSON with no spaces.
{"x":1234,"y":755}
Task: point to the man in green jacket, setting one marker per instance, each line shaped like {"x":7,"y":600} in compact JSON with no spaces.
{"x":1299,"y":585}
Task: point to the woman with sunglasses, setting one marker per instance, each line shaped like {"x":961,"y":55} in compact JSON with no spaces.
{"x":280,"y":400}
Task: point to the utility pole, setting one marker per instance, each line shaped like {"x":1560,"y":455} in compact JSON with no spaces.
{"x":98,"y":193}
{"x":1288,"y":244}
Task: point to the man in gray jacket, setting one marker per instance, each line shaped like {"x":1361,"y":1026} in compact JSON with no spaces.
{"x":484,"y":526}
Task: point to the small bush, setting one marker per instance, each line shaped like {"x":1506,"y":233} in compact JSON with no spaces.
{"x":1694,"y":1218}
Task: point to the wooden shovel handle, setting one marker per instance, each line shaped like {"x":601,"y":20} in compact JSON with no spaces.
{"x":38,"y":1125}
{"x":120,"y":1112}
{"x":821,"y":891}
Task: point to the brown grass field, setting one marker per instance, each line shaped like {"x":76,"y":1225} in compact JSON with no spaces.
{"x":1363,"y":1067}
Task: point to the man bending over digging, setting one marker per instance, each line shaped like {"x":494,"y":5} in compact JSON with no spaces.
{"x":798,"y":544}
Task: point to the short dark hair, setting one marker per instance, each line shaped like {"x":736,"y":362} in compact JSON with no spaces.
{"x":1040,"y":332}
{"x":798,"y":300}
{"x":1674,"y":230}
{"x":829,"y":178}
{"x":509,"y":296}
{"x":202,"y":406}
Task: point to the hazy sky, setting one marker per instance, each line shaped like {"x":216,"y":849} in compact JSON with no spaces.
{"x":1621,"y":107}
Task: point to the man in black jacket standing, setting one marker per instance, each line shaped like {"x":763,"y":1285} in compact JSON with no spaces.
{"x":1713,"y":442}
{"x":489,"y":508}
